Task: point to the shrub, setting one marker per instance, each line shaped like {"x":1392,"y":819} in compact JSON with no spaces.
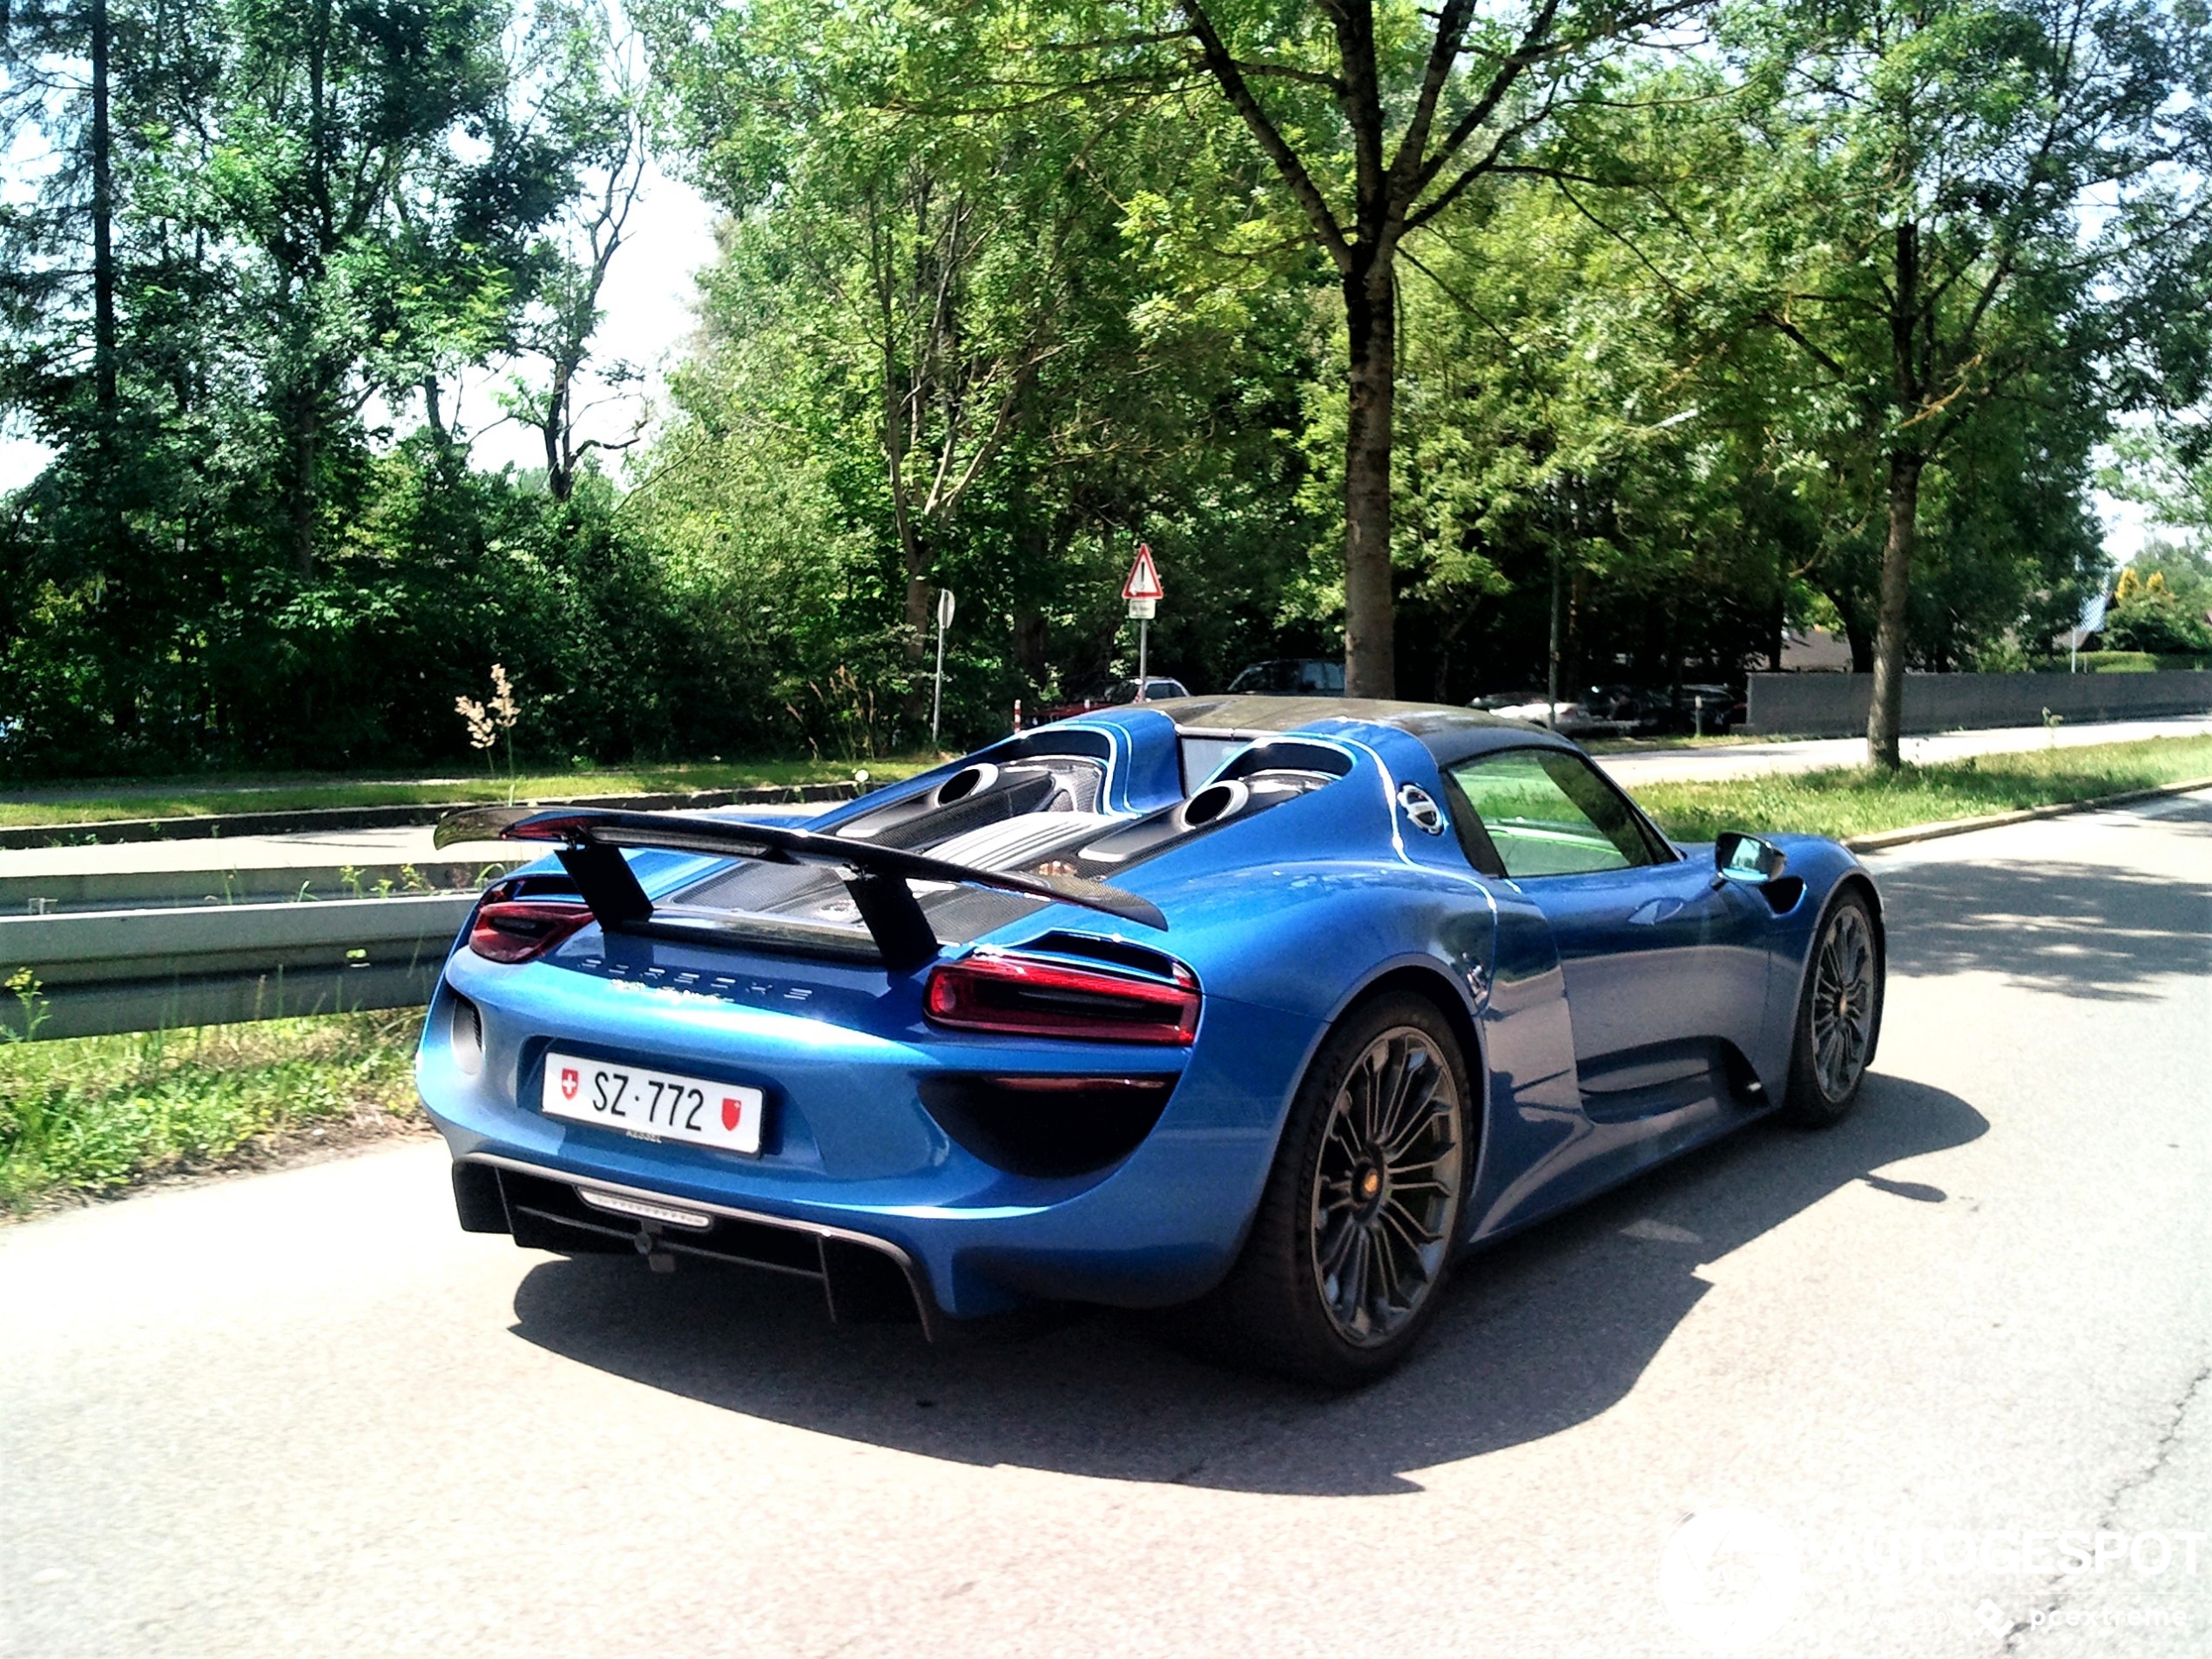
{"x":2152,"y":619}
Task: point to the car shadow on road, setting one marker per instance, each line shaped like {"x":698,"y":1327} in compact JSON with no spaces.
{"x":2070,"y":929}
{"x":1539,"y":1333}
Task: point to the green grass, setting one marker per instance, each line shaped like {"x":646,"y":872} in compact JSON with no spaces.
{"x":1853,"y":801}
{"x":208,"y":796}
{"x":97,"y":1114}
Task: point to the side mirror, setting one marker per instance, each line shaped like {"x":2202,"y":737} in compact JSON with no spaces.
{"x":1738,"y":857}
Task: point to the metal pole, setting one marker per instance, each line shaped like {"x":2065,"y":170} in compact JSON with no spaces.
{"x":1143,"y":627}
{"x":937,"y":697}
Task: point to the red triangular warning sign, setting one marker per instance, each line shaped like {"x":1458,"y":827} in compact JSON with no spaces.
{"x":1143,"y":577}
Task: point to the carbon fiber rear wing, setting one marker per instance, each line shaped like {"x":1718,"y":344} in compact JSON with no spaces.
{"x":590,"y":843}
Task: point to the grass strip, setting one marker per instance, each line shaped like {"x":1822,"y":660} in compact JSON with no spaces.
{"x":1846,"y":801}
{"x":209,"y":797}
{"x":88,"y":1114}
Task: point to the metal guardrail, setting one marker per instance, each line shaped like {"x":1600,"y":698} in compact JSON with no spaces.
{"x":326,"y":820}
{"x":105,"y":971}
{"x":165,"y":964}
{"x":52,"y":893}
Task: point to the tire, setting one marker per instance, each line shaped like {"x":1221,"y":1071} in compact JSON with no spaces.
{"x":1378,"y":1202}
{"x":1839,"y":1016}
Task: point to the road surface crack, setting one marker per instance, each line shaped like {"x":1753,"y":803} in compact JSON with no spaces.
{"x":2162,"y":1454}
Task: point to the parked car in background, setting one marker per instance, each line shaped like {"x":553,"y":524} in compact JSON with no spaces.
{"x":1120,"y":694}
{"x":1291,"y":677}
{"x":1576,"y":719}
{"x":1632,"y":709}
{"x":1709,"y":709}
{"x":1627,"y":711}
{"x":1690,"y":709}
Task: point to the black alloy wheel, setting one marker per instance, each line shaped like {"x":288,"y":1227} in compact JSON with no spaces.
{"x":1358,"y":1224}
{"x":1839,"y":1016}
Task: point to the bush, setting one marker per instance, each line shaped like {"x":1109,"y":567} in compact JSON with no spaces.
{"x":243,"y":661}
{"x":2154,"y":620}
{"x":2125,"y":662}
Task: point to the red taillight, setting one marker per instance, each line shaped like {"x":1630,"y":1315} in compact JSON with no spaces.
{"x":1024,"y":997}
{"x":514,"y":930}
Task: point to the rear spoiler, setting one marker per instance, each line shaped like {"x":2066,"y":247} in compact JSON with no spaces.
{"x":590,"y":843}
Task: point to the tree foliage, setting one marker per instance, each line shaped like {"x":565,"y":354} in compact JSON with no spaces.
{"x":1430,"y":334}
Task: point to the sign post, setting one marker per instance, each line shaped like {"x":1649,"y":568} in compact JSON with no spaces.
{"x":937,"y":697}
{"x":1144,"y":592}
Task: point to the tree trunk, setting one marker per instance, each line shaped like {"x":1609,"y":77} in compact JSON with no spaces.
{"x":560,"y":472}
{"x":305,"y":453}
{"x":1856,"y":640}
{"x":922,"y":608}
{"x":102,"y":222}
{"x":913,"y":559}
{"x":1885,"y":709}
{"x":1570,"y":658}
{"x":1031,"y":642}
{"x":1370,"y":666}
{"x":434,"y":412}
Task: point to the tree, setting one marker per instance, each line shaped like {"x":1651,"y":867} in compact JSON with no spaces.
{"x":270,"y":228}
{"x":607,"y":104}
{"x":1375,"y":121}
{"x":2169,"y":474}
{"x":2151,"y":614}
{"x":928,"y":254}
{"x":990,"y":341}
{"x":58,"y":57}
{"x":85,"y":271}
{"x":1960,"y":202}
{"x":388,"y":169}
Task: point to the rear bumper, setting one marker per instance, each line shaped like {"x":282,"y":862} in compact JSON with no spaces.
{"x":865,"y":1280}
{"x":853,"y":1158}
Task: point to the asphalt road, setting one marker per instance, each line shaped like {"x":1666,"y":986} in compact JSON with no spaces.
{"x":302,"y":1413}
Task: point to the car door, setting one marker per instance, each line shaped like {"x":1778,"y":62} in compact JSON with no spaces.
{"x":1665,"y":970}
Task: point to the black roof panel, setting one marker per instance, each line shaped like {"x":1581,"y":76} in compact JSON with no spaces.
{"x":1452,"y":734}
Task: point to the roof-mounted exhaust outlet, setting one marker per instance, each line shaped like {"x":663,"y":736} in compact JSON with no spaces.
{"x":969,"y":781}
{"x":1215,"y":802}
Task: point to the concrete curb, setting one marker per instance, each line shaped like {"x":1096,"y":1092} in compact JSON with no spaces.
{"x":116,"y":830}
{"x":1997,"y":820}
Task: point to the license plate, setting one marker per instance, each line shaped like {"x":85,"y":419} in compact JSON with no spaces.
{"x":660,"y":1105}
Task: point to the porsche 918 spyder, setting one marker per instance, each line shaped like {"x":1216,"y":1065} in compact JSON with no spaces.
{"x":1272,"y":1008}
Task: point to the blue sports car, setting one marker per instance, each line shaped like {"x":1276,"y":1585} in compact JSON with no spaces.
{"x":1271,"y":1006}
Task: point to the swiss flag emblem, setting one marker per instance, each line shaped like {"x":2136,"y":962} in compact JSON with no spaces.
{"x":569,"y":1080}
{"x":732,"y":1110}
